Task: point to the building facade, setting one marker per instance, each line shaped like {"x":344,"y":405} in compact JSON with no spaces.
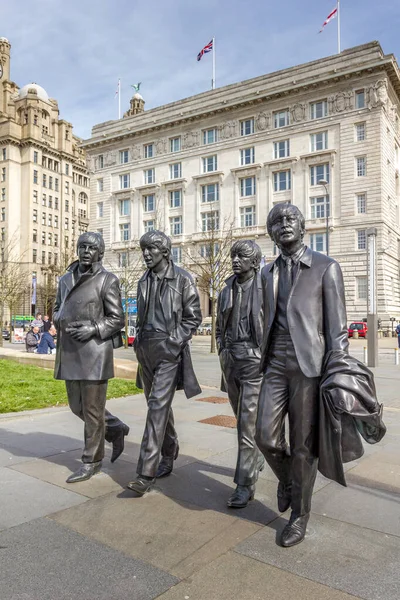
{"x":44,"y":187}
{"x":323,"y":135}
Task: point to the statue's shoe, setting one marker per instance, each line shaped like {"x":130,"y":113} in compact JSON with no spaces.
{"x":241,"y":496}
{"x":141,"y":484}
{"x":118,"y":442}
{"x":85,"y":471}
{"x":295,"y":531}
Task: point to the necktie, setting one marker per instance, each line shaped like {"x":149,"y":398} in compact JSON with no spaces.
{"x":236,"y":312}
{"x":288,"y":271}
{"x":152,"y":300}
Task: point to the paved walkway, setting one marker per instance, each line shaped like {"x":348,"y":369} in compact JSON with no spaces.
{"x":95,"y":541}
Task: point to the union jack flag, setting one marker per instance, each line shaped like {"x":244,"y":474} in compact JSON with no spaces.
{"x":206,"y":49}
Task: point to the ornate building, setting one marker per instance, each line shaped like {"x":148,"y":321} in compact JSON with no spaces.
{"x":44,"y":186}
{"x":323,"y":135}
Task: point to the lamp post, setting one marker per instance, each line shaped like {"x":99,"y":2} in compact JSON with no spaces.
{"x":324,"y":182}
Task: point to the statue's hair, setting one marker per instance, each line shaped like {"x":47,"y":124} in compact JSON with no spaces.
{"x":156,"y":238}
{"x":93,"y":237}
{"x":276,"y":212}
{"x":249,"y":249}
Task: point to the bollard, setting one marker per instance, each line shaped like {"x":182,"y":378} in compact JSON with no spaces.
{"x":365,"y":354}
{"x":396,"y":356}
{"x":355,"y":334}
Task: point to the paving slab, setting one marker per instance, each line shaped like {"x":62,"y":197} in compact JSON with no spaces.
{"x":235,"y":576}
{"x":10,"y":456}
{"x":42,"y":435}
{"x":42,"y":560}
{"x":24,"y":498}
{"x":174,"y":536}
{"x":368,"y":507}
{"x":209,"y":487}
{"x":358,"y":561}
{"x":380,"y":471}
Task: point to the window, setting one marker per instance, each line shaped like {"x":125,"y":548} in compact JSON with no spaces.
{"x":319,"y":141}
{"x":320,"y":207}
{"x":3,"y":214}
{"x":50,"y":220}
{"x":50,"y":182}
{"x":55,"y":220}
{"x":35,"y":119}
{"x":66,"y":241}
{"x":4,"y":153}
{"x":360,"y":99}
{"x":148,"y":150}
{"x":3,"y":234}
{"x":247,"y":186}
{"x":247,"y":156}
{"x":66,"y":223}
{"x":50,"y":202}
{"x":123,"y":156}
{"x":148,"y":225}
{"x":207,"y":250}
{"x":100,"y":161}
{"x":210,"y":164}
{"x":35,"y":176}
{"x":124,"y":181}
{"x":361,"y":286}
{"x":125,"y":232}
{"x":66,"y":168}
{"x":175,"y":171}
{"x":55,"y":259}
{"x":100,"y":209}
{"x":82,"y":198}
{"x":66,"y":205}
{"x":56,"y":203}
{"x":35,"y":196}
{"x":148,"y":202}
{"x":34,"y":255}
{"x":361,"y":166}
{"x":67,"y":187}
{"x":56,"y":185}
{"x":44,"y":200}
{"x":176,"y":226}
{"x":100,"y":185}
{"x":175,"y":198}
{"x":176,"y":254}
{"x":282,"y":181}
{"x":45,"y":130}
{"x":43,"y":257}
{"x":55,"y":241}
{"x":35,"y":215}
{"x":175,"y":144}
{"x":281,"y":149}
{"x":149,"y":176}
{"x":210,"y":221}
{"x":360,"y":132}
{"x":44,"y":237}
{"x":361,"y":239}
{"x":318,"y":110}
{"x":247,"y":216}
{"x":123,"y":259}
{"x":318,"y":242}
{"x":319,"y":172}
{"x":50,"y":239}
{"x":34,"y":235}
{"x":3,"y":174}
{"x":361,"y":200}
{"x":210,"y":192}
{"x":44,"y":218}
{"x":3,"y":194}
{"x":124,"y":207}
{"x":247,"y":127}
{"x":35,"y":157}
{"x":210,"y":136}
{"x":281,"y":118}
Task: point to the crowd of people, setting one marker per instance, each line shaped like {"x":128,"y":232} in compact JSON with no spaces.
{"x":41,"y":336}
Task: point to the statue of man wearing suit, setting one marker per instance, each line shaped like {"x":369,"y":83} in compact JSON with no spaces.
{"x":88,"y":316}
{"x":168,"y":314}
{"x":304,"y":319}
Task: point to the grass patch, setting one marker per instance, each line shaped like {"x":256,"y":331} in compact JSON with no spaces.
{"x":25,"y":387}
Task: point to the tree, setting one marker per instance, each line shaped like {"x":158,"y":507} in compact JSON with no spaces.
{"x":12,"y":279}
{"x":209,"y":260}
{"x":47,"y":289}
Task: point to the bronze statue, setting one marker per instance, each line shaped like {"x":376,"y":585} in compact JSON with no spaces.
{"x":168,"y":314}
{"x":239,"y":336}
{"x":88,"y":316}
{"x":305,"y":319}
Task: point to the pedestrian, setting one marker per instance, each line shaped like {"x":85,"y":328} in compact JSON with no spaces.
{"x":398,"y":334}
{"x":46,"y":344}
{"x":38,"y":322}
{"x":32,"y":339}
{"x":46,"y":323}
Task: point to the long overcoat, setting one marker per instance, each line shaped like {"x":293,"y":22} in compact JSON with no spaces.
{"x":180,"y":304}
{"x":95,"y":298}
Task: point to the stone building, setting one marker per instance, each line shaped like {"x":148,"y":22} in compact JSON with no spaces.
{"x":233,"y":152}
{"x":44,"y":186}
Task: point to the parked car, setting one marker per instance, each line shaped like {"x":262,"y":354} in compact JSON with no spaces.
{"x":6,"y":334}
{"x":131,"y":335}
{"x":360,"y":327}
{"x":204,"y":329}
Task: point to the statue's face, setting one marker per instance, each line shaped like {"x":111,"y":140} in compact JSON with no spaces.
{"x":286,"y":228}
{"x":153,"y":256}
{"x":88,"y":253}
{"x":242,"y":265}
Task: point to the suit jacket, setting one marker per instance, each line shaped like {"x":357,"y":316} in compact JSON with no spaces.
{"x":95,"y":298}
{"x":224,"y":311}
{"x":348,"y":410}
{"x":316,"y":310}
{"x":180,"y":304}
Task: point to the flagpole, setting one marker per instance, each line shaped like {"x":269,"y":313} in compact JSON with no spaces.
{"x":213,"y":66}
{"x":338,"y":24}
{"x":119,"y":98}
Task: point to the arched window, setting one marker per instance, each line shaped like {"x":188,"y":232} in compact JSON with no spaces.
{"x":83,"y":198}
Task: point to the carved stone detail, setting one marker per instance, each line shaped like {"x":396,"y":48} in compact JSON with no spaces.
{"x":110,"y":159}
{"x":263,"y":121}
{"x":378,"y":94}
{"x":340,"y":102}
{"x":161,"y":146}
{"x":227,"y":130}
{"x":298,"y":112}
{"x":136,"y":152}
{"x":190,"y":139}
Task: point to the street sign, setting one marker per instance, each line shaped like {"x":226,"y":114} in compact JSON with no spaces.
{"x":132,"y":305}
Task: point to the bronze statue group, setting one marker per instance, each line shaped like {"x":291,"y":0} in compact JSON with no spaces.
{"x":283,"y":347}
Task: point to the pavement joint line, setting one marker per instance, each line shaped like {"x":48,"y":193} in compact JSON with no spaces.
{"x":60,"y":487}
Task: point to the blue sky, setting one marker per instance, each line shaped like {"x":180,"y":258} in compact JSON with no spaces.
{"x":77,"y":50}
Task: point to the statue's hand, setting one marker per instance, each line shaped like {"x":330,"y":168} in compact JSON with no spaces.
{"x":81,"y":332}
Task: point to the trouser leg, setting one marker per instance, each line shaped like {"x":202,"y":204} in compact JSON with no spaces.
{"x":87,"y":399}
{"x":113,"y":425}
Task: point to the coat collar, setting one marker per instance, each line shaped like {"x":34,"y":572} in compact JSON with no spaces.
{"x":305,"y":259}
{"x":96,"y":267}
{"x":170,"y":273}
